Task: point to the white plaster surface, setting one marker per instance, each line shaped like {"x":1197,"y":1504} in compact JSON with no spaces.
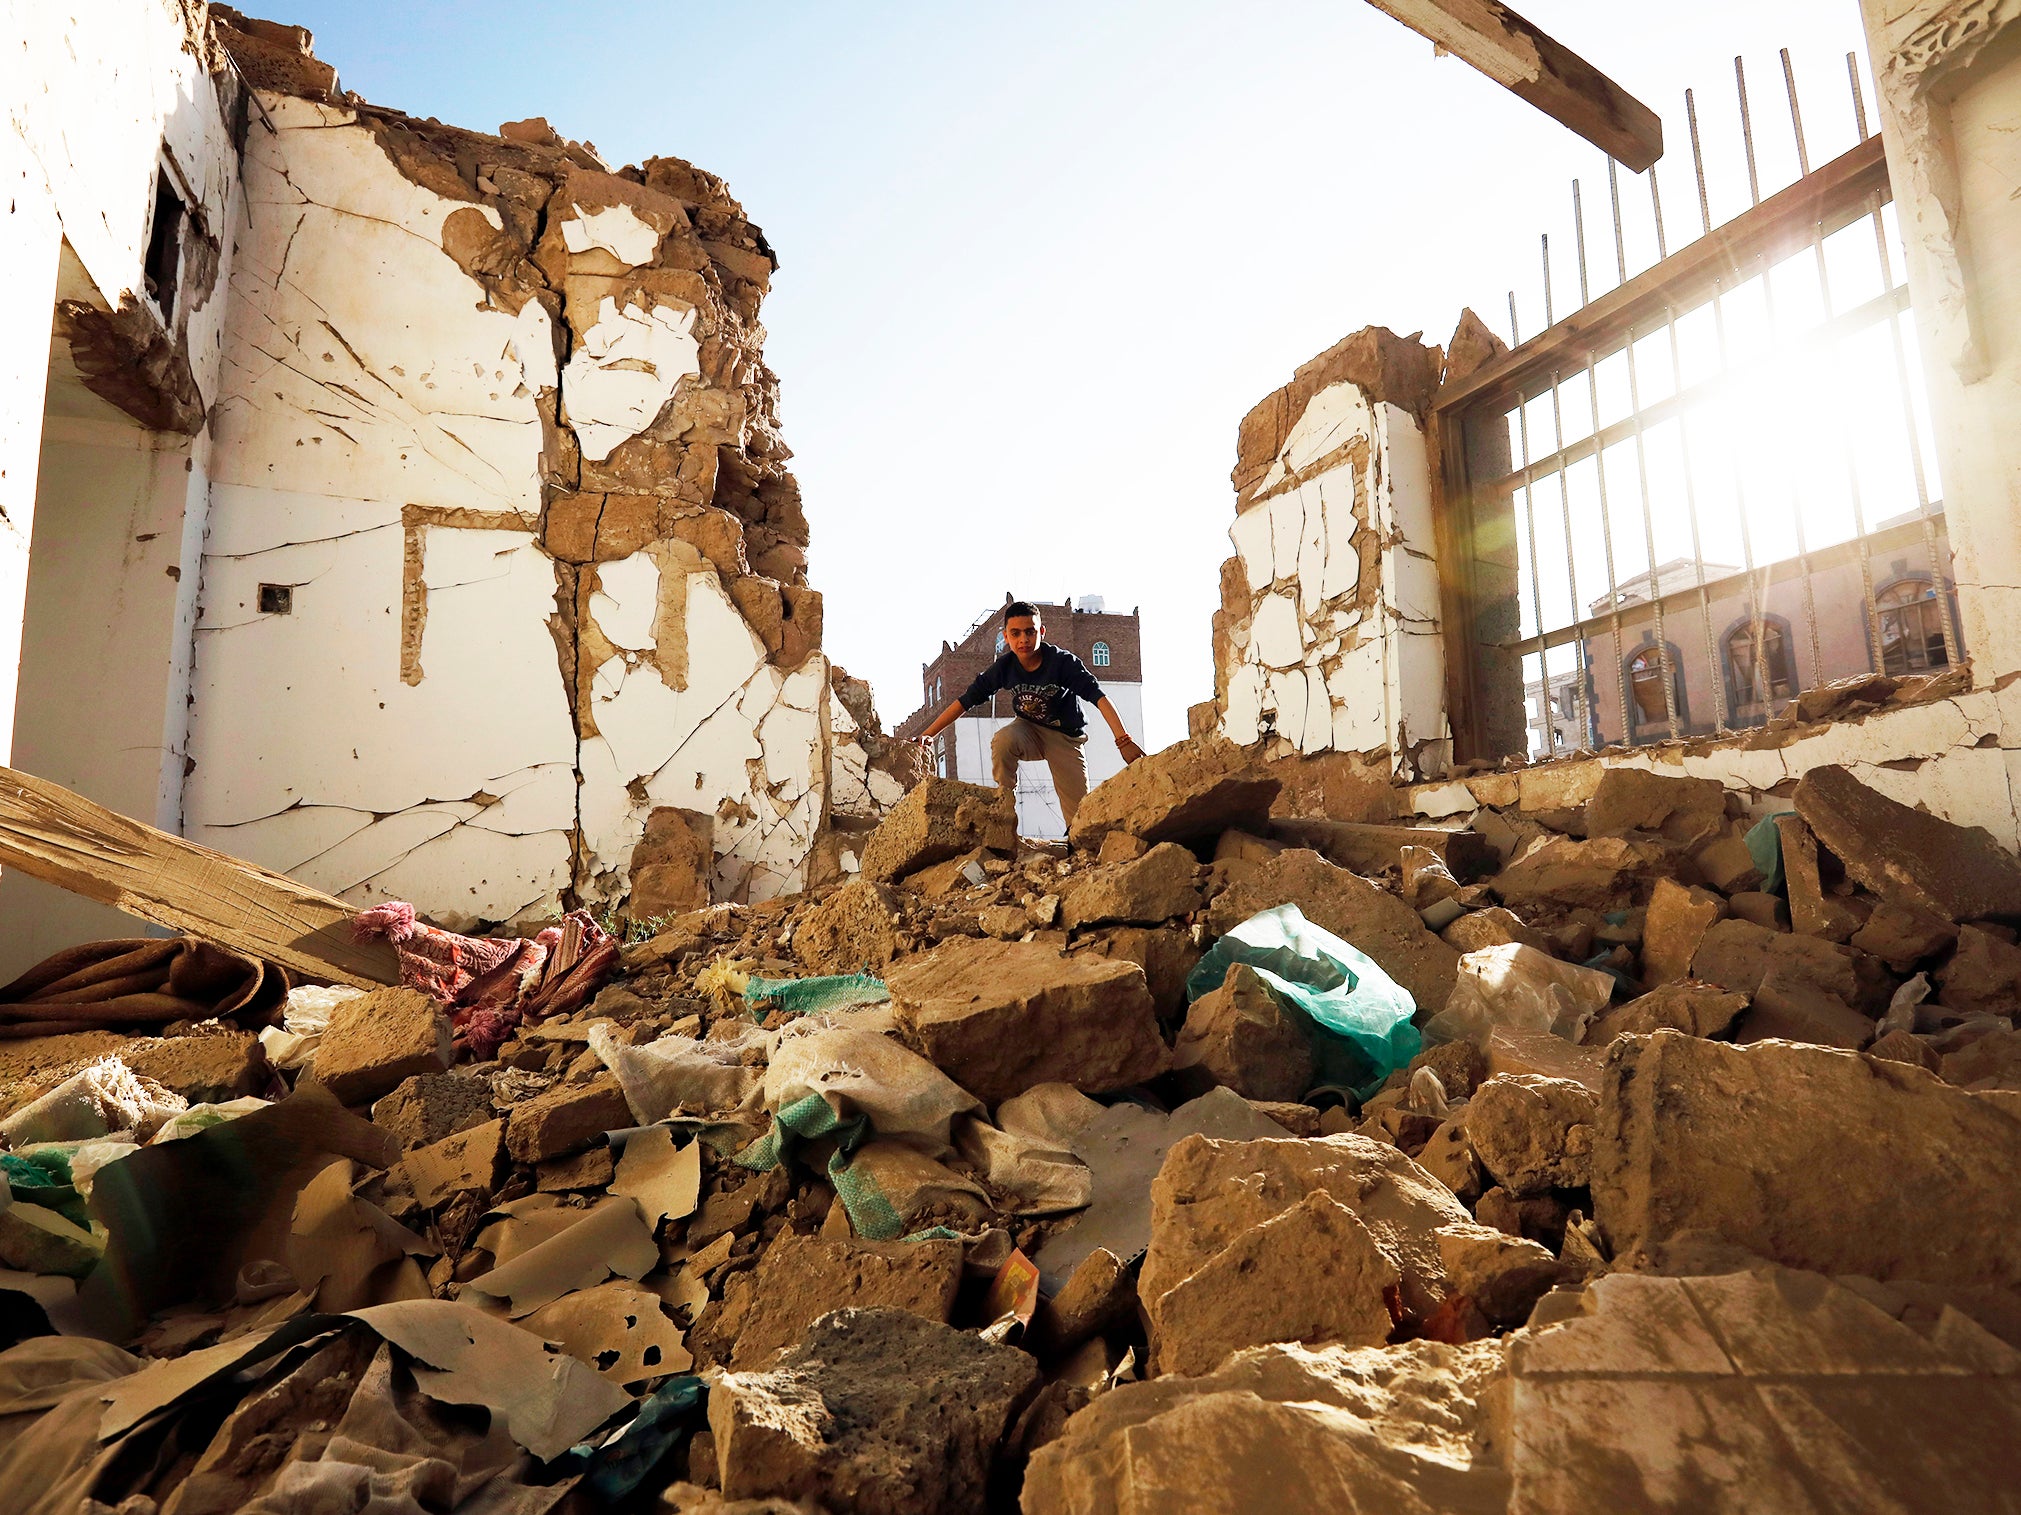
{"x":616,"y":229}
{"x":624,"y":370}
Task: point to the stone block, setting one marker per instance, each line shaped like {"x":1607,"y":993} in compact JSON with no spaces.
{"x":1358,"y":912}
{"x":1149,"y":889}
{"x":1241,"y":1036}
{"x":1208,"y":1193}
{"x":1903,"y":935}
{"x":999,"y":1017}
{"x":210,"y":1065}
{"x":1691,"y":1007}
{"x":1683,"y":810}
{"x":1533,"y":1134}
{"x":1984,"y":974}
{"x":1191,"y":791}
{"x":378,"y":1040}
{"x":876,"y":1412}
{"x":1309,"y":1273}
{"x":802,"y":1278}
{"x":673,"y":866}
{"x":1812,"y":910}
{"x":565,"y":1120}
{"x":430,"y":1106}
{"x":1165,"y":953}
{"x":1808,"y":1156}
{"x":939,"y":819}
{"x":1678,"y":919}
{"x":1606,"y":873}
{"x":1503,"y":1275}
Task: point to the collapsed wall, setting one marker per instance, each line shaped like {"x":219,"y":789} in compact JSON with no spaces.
{"x":505,"y":596}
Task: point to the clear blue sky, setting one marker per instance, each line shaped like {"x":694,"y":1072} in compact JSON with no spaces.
{"x":1037,"y":260}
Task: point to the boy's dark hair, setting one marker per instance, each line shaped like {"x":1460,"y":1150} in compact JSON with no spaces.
{"x":1020,"y":607}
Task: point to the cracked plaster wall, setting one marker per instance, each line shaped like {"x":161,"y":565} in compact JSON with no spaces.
{"x":1328,"y":639}
{"x":499,"y":420}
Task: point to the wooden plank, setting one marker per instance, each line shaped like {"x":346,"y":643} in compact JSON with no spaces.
{"x":1828,"y":198}
{"x":1536,"y":68}
{"x":62,"y":838}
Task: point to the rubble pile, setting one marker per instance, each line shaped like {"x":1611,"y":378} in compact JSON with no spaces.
{"x":1652,"y":1153}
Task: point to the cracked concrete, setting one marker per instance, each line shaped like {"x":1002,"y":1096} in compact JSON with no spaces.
{"x":1326,"y":641}
{"x":549,"y":378}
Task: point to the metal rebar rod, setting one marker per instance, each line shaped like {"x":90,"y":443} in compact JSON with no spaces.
{"x":1795,"y":117}
{"x":1536,"y":584}
{"x":1859,"y":98}
{"x":1939,"y":572}
{"x":1755,"y":590}
{"x":1698,"y":165}
{"x":1747,"y":131}
{"x":1571,"y":567}
{"x":1600,"y":472}
{"x":1656,"y":210}
{"x":1817,"y":667}
{"x":1620,"y":245}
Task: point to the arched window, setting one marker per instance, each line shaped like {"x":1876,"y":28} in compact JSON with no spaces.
{"x":1648,"y":719}
{"x":999,"y":644}
{"x":1101,"y":654}
{"x":1757,"y":682}
{"x":1912,"y":627}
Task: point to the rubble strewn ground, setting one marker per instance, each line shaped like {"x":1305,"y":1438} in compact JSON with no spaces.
{"x":943,"y":1190}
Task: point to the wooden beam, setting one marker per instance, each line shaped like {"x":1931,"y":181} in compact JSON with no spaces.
{"x":1830,"y":197}
{"x":1561,"y":84}
{"x":64,"y":839}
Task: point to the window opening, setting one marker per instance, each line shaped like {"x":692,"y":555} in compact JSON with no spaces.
{"x":164,"y":245}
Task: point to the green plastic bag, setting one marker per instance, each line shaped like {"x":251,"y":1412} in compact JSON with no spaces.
{"x":809,"y":996}
{"x":1358,"y":1017}
{"x":1764,"y":845}
{"x":43,"y":1178}
{"x":871,"y":1214}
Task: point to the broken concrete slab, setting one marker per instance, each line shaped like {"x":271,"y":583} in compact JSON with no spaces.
{"x":1000,"y":1017}
{"x":1493,"y":927}
{"x":1149,"y":889}
{"x":1648,"y":1394}
{"x":1190,"y":791}
{"x":875,"y":1412}
{"x":1683,"y":810}
{"x":1240,"y":1036}
{"x":1739,"y":1141}
{"x":937,"y":820}
{"x":1209,"y":1192}
{"x":1403,"y":1429}
{"x":1310,"y":1273}
{"x":377,"y":1041}
{"x":1678,"y":918}
{"x":210,"y":1065}
{"x":1691,"y":1007}
{"x":1360,"y":913}
{"x":1605,"y":873}
{"x":1790,"y":1006}
{"x":1738,"y":955}
{"x":1812,"y":911}
{"x":1909,"y":856}
{"x":801,"y":1278}
{"x":1533,"y":1134}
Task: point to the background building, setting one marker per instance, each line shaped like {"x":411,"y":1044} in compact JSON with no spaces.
{"x":1108,"y":643}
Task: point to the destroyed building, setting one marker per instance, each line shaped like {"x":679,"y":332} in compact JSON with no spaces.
{"x":432,"y":482}
{"x":1351,"y":1113}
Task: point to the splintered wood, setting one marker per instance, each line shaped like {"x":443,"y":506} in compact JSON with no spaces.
{"x":60,"y":837}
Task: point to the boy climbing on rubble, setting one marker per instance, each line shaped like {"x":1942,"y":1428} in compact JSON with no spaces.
{"x":1046,"y":685}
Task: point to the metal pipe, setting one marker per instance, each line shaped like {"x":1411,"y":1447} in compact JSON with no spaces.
{"x":1536,"y":587}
